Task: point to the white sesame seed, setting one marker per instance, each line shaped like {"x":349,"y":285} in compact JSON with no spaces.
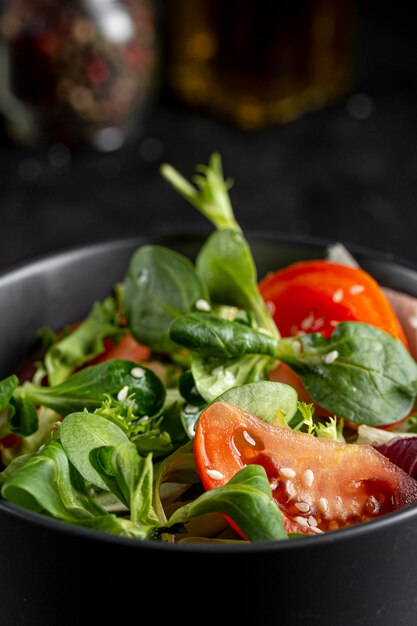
{"x":317,"y":530}
{"x":91,"y":492}
{"x":307,"y":322}
{"x":215,"y":474}
{"x":302,"y":506}
{"x":312,"y":521}
{"x":330,"y":357}
{"x":287,"y":472}
{"x":324,"y":505}
{"x":308,"y":477}
{"x":144,"y":419}
{"x":338,"y":295}
{"x":318,"y":323}
{"x":296,"y":347}
{"x":413,"y":321}
{"x":229,"y":378}
{"x":202,"y":305}
{"x":191,"y":409}
{"x":122,"y":395}
{"x":355,"y":289}
{"x":301,"y":520}
{"x":248,"y":438}
{"x":290,"y":488}
{"x":137,"y":372}
{"x":271,"y":307}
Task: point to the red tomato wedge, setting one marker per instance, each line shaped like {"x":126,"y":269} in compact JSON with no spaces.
{"x":318,"y":484}
{"x":314,"y":296}
{"x":128,"y":348}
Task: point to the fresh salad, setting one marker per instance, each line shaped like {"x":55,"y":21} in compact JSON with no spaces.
{"x":196,"y":404}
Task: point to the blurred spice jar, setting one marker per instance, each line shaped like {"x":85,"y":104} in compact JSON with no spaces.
{"x":83,"y":70}
{"x":260,"y":62}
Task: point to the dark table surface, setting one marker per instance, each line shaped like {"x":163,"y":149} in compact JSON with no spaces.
{"x":347,"y":173}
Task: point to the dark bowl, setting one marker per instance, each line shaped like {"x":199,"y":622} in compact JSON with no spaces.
{"x":56,"y":574}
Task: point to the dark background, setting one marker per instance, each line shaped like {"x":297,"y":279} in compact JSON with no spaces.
{"x":347,"y":173}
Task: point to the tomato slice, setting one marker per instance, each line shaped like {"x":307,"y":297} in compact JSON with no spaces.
{"x":314,"y":296}
{"x":318,"y":484}
{"x":127,"y":348}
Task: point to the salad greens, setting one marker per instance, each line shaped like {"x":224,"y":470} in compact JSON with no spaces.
{"x":109,"y":446}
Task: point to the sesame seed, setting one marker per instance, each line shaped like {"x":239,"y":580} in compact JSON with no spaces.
{"x":248,"y":438}
{"x":312,"y":521}
{"x":215,"y":474}
{"x":202,"y":305}
{"x":290,"y":488}
{"x":304,"y":507}
{"x":91,"y":492}
{"x":330,"y":357}
{"x":308,"y":477}
{"x":287,"y":472}
{"x":144,"y":419}
{"x":271,"y":307}
{"x":324,"y":505}
{"x":301,"y":520}
{"x":338,"y":295}
{"x":317,"y":530}
{"x":137,"y":372}
{"x":355,"y":289}
{"x":307,"y":322}
{"x":122,"y":395}
{"x":191,"y":409}
{"x":229,"y":378}
{"x":296,"y":347}
{"x":413,"y":321}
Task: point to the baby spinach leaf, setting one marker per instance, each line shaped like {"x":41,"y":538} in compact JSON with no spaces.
{"x":43,"y":482}
{"x":124,"y":381}
{"x":178,"y":467}
{"x":82,"y":432}
{"x":275,"y":403}
{"x":130,"y":477}
{"x":114,"y":525}
{"x":212,"y":336}
{"x":84,"y":343}
{"x":7,"y":387}
{"x":23,"y":418}
{"x":214,"y":376}
{"x":247,"y":500}
{"x":188,"y":390}
{"x":226,"y":265}
{"x":360,"y":373}
{"x":160,"y":285}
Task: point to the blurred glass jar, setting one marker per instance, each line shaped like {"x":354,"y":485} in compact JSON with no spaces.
{"x":259,"y":62}
{"x":80,"y":71}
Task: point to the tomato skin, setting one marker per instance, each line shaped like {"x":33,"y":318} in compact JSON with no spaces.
{"x":345,"y":483}
{"x":313,"y":296}
{"x":128,"y":348}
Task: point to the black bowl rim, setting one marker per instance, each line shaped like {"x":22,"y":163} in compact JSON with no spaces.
{"x":35,"y":265}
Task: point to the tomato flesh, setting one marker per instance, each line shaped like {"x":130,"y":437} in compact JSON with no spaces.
{"x":128,"y":348}
{"x":318,"y":484}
